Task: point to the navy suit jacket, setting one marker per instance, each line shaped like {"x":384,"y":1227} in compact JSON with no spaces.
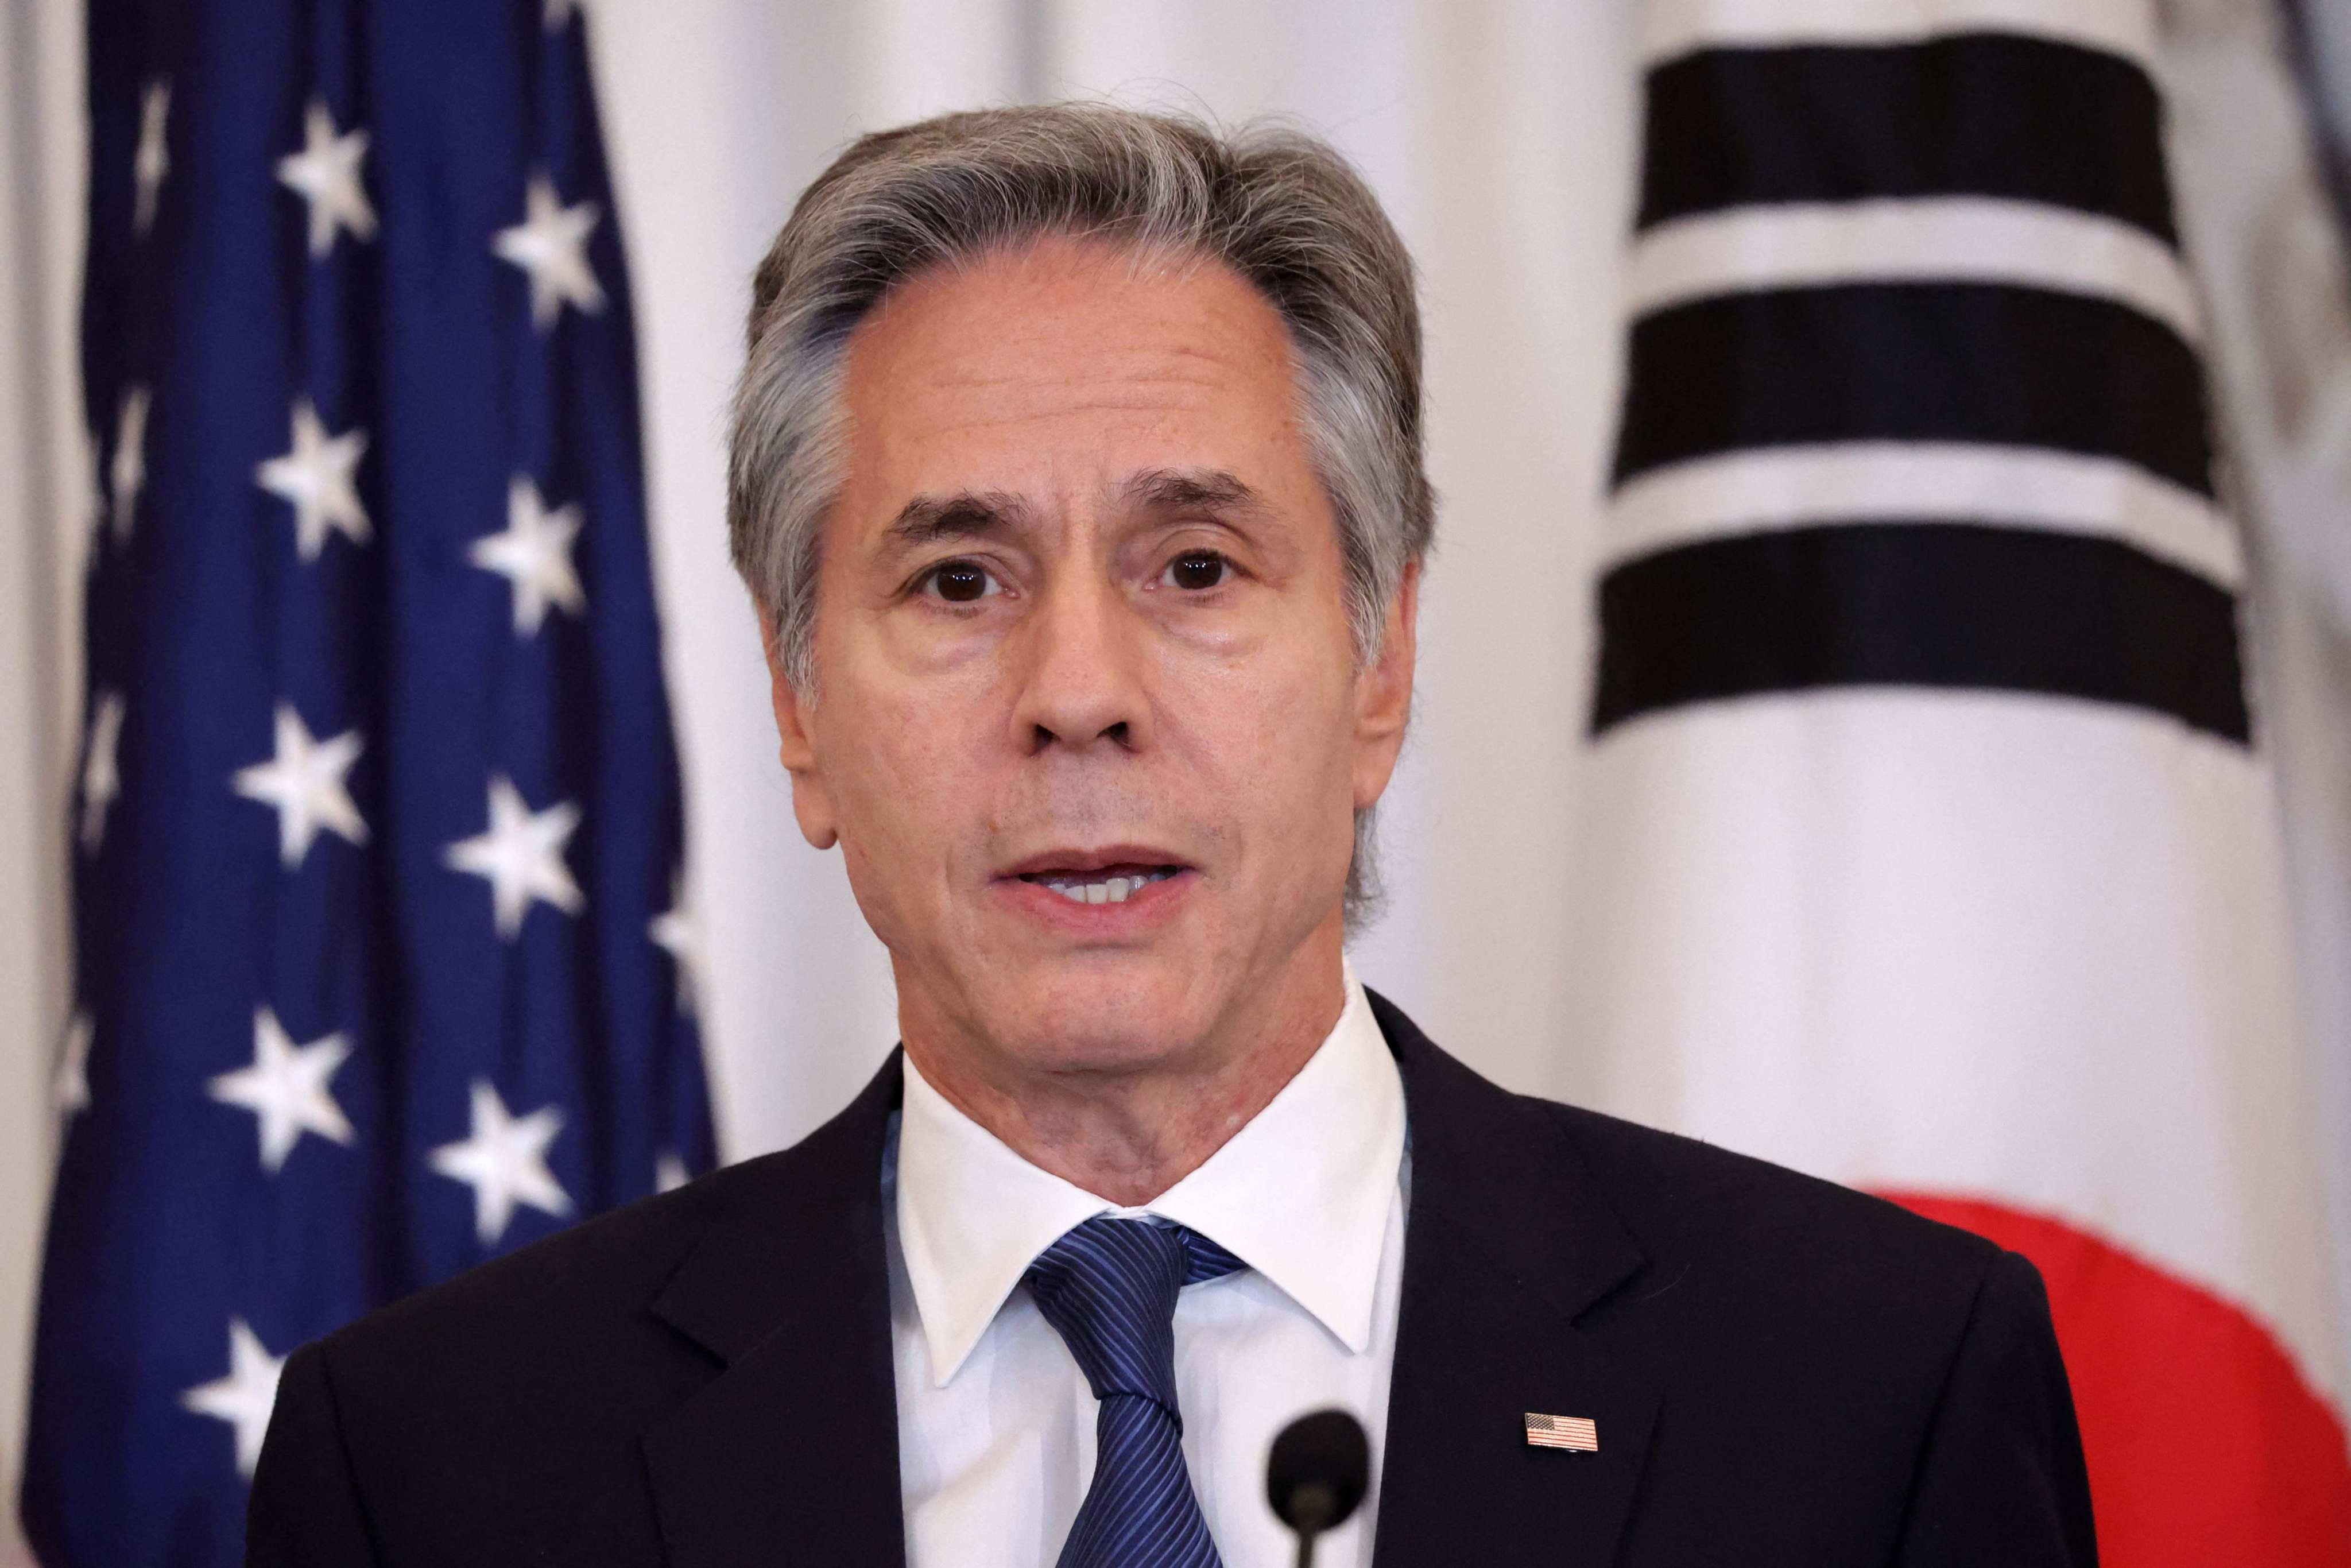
{"x":1784,"y":1373}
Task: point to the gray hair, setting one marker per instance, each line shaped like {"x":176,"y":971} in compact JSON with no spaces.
{"x":1281,"y":208}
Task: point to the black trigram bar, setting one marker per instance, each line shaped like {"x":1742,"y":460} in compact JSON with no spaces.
{"x":1918,"y":604}
{"x":1913,"y":361}
{"x":1984,"y":114}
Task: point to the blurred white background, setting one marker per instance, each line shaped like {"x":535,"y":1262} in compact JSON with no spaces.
{"x":1500,"y":133}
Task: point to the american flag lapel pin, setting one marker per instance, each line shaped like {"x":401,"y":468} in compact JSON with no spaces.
{"x":1577,"y":1434}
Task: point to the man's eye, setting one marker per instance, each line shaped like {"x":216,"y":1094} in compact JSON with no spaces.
{"x":962,"y":581}
{"x":1197,"y":570}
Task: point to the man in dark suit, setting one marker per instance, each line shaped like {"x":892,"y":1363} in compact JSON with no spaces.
{"x":1077,"y":476}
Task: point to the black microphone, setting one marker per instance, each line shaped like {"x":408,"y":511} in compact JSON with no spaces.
{"x":1316,"y":1475}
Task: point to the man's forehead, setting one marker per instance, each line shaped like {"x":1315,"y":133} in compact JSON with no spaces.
{"x":1075,"y":374}
{"x":1054,"y":322}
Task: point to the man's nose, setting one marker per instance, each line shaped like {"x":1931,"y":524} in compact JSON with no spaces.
{"x":1081,"y":656}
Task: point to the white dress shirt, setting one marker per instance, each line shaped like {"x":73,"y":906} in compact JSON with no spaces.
{"x":996,"y":1423}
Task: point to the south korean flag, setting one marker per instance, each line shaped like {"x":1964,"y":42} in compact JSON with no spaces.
{"x":1929,"y":843}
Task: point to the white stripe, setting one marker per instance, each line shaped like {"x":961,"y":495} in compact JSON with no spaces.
{"x":1894,"y":481}
{"x":1972,"y":239}
{"x":1673,"y":27}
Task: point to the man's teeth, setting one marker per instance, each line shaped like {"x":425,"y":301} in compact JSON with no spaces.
{"x":1102,"y":890}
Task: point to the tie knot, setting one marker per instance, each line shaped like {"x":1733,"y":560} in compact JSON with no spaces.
{"x":1108,"y":1286}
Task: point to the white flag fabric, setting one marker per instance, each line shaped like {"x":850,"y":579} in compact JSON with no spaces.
{"x":1930,"y":846}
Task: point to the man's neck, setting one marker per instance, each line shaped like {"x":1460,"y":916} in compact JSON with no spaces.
{"x":1126,"y":1135}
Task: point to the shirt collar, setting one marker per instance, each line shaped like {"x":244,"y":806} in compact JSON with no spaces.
{"x":1301,"y":1194}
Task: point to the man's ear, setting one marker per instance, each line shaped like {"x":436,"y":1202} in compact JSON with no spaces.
{"x":812,"y":803}
{"x":1384,"y":693}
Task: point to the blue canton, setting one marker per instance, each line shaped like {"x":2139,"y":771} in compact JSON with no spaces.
{"x":383,"y":966}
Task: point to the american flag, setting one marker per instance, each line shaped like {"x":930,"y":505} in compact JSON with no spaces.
{"x":1577,"y":1434}
{"x":382,"y":962}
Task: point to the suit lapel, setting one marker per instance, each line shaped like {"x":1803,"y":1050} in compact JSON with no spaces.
{"x":1508,"y":1241}
{"x":790,"y":1455}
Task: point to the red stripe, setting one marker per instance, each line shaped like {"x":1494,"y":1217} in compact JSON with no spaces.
{"x":2205,"y":1444}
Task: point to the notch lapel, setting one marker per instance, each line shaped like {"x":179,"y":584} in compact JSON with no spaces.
{"x":790,"y":1455}
{"x":1507,"y":1240}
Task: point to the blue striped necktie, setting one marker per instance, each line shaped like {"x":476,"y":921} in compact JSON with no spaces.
{"x":1108,"y":1287}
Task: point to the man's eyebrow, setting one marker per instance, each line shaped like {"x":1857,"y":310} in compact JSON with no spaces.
{"x":966,"y":514}
{"x":1180,"y":489}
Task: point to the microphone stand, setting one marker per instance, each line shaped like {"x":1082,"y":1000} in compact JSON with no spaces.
{"x":1314,"y":1506}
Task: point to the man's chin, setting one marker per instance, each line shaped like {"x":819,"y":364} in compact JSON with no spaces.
{"x":1103,"y":1015}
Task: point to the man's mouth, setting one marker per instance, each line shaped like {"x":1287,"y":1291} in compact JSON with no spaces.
{"x":1109,"y":884}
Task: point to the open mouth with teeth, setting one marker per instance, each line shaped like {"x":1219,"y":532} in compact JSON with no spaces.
{"x":1112,"y":884}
